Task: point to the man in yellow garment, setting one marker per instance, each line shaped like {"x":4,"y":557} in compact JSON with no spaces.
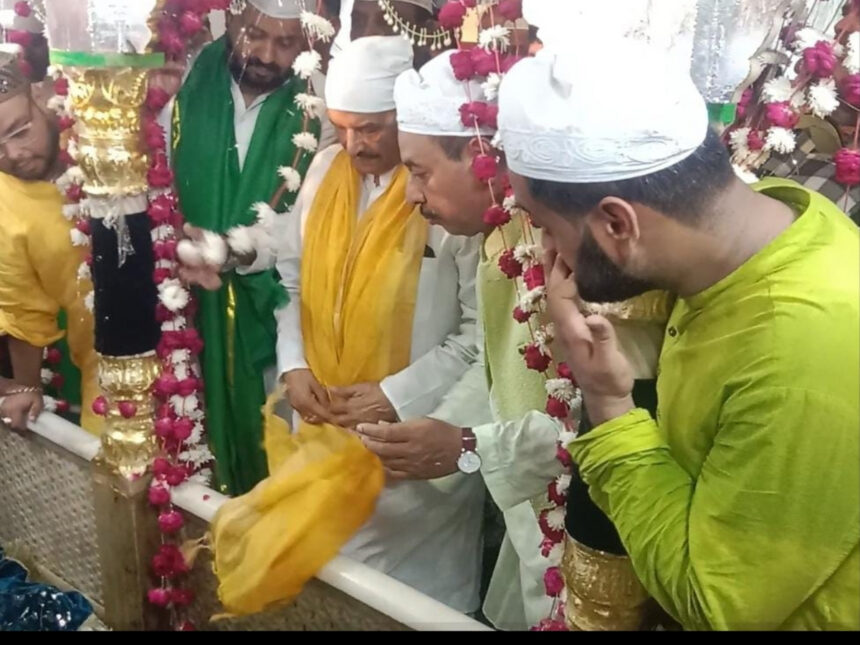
{"x":739,"y":504}
{"x":38,"y":263}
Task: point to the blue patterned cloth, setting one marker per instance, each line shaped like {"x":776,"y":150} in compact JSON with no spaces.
{"x":28,"y":606}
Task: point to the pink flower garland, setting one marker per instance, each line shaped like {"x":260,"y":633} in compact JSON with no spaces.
{"x":766,"y":122}
{"x":523,"y":265}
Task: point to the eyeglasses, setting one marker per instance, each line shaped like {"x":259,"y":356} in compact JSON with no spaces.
{"x":22,"y":136}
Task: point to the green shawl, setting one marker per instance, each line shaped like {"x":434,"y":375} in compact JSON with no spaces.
{"x":236,"y":322}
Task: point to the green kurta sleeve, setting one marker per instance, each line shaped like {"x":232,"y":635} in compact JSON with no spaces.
{"x":732,"y":548}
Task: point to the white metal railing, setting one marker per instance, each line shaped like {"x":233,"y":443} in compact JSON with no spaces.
{"x":378,"y":591}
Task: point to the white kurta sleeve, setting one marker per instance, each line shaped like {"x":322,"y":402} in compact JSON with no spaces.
{"x":519,"y":457}
{"x":290,"y":349}
{"x":288,"y":244}
{"x":417,"y":390}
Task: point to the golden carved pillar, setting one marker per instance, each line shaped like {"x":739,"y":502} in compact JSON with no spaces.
{"x":102,"y":49}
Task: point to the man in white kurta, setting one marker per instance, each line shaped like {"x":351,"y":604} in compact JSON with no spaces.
{"x":426,"y":534}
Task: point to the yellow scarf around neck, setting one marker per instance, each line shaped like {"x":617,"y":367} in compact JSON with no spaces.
{"x":359,"y":289}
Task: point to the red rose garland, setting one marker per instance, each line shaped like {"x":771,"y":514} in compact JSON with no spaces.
{"x":523,"y":264}
{"x":768,"y":115}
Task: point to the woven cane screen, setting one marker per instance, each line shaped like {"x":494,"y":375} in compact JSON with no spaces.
{"x":319,"y":608}
{"x":46,"y":509}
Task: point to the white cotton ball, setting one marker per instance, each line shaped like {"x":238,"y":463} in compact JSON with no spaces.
{"x":189,"y":254}
{"x":213,"y":249}
{"x":241,"y":240}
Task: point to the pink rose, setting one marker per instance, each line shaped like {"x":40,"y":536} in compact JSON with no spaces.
{"x":484,"y":167}
{"x":553,"y":582}
{"x":847,"y":166}
{"x":782,"y":115}
{"x":819,"y":60}
{"x":496,"y":216}
{"x":535,"y":359}
{"x":461,"y":63}
{"x":556,"y":408}
{"x":509,"y":265}
{"x":452,"y":14}
{"x":850,"y":89}
{"x":534,"y":277}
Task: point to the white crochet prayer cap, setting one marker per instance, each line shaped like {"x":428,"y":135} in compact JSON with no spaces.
{"x":280,"y":9}
{"x":429,"y":101}
{"x":361,"y":79}
{"x":584,"y":116}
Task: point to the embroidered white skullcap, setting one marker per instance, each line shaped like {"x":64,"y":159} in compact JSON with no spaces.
{"x":9,"y":19}
{"x":584,"y":115}
{"x":429,"y":101}
{"x":362,"y":78}
{"x":280,"y":9}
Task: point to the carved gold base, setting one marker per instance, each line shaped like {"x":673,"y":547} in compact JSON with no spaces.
{"x":603,"y":592}
{"x":128,"y":442}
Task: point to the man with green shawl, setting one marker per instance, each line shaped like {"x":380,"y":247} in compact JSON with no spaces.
{"x":234,"y":123}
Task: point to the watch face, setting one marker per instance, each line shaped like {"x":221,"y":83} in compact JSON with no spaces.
{"x":469,"y":462}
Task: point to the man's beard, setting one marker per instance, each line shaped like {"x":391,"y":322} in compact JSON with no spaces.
{"x":247,"y":73}
{"x":45,"y":163}
{"x":599,"y":280}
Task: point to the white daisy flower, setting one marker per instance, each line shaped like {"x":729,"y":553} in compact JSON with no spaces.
{"x":528,"y":254}
{"x":555,"y":518}
{"x":530,"y":301}
{"x":823,"y":98}
{"x":739,"y":139}
{"x":780,"y":140}
{"x":46,"y":376}
{"x":491,"y":86}
{"x":317,"y":27}
{"x":311,"y":105}
{"x":307,"y":63}
{"x":561,"y":389}
{"x":777,"y":90}
{"x":497,"y":37}
{"x":305,"y":141}
{"x":90,"y":301}
{"x":173,"y":295}
{"x":84,"y":272}
{"x":291,"y":178}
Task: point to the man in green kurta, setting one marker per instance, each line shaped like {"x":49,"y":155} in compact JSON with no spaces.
{"x":234,"y":123}
{"x":739,"y":501}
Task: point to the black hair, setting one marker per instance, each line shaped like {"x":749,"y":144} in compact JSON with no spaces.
{"x":453,"y":146}
{"x":683,"y":191}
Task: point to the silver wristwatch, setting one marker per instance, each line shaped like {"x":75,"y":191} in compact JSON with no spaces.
{"x":469,"y":461}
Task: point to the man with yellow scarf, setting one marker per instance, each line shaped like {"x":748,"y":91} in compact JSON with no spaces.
{"x":381,"y":324}
{"x":38,"y":263}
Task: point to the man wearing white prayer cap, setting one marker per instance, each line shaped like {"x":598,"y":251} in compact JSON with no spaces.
{"x":720,"y":500}
{"x":400,"y":315}
{"x":516,"y":440}
{"x":236,"y":121}
{"x":361,"y":18}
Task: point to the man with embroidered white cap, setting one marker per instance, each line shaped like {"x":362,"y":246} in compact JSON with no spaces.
{"x":739,"y":502}
{"x":381,"y":320}
{"x":497,"y":410}
{"x":412,"y":19}
{"x":236,"y":121}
